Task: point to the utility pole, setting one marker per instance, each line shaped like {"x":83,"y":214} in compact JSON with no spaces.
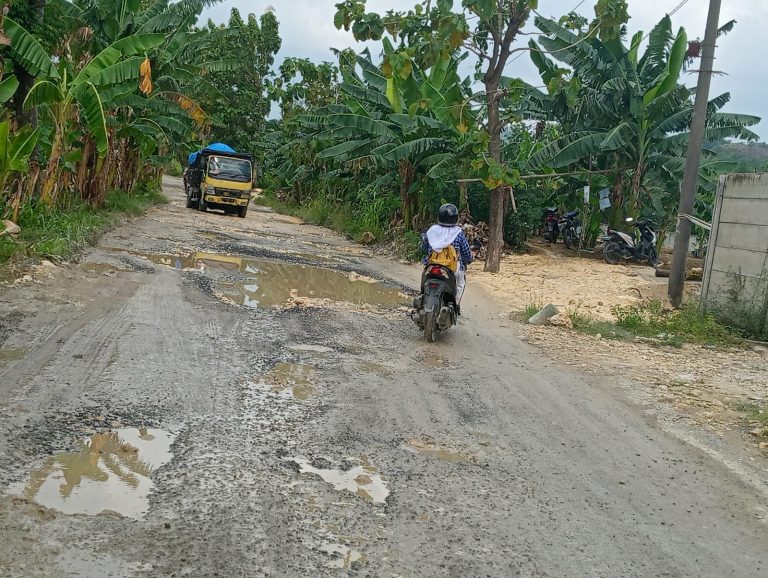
{"x":693,"y":158}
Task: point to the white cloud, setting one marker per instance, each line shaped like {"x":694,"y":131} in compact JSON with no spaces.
{"x":307,"y":30}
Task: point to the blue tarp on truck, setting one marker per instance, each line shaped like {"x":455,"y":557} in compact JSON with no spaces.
{"x":217,"y":146}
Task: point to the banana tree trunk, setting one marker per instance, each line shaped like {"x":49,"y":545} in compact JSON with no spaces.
{"x":85,"y":167}
{"x":50,"y":188}
{"x":406,"y":172}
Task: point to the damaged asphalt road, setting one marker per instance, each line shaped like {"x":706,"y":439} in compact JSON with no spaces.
{"x":209,"y":396}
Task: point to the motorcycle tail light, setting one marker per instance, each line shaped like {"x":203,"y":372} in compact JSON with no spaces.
{"x":437,"y":271}
{"x":433,"y":285}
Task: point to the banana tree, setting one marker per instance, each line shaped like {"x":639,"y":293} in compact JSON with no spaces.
{"x":15,"y":151}
{"x":622,"y":111}
{"x":372,"y":129}
{"x":70,"y":94}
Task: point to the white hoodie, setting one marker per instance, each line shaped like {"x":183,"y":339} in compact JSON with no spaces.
{"x":440,"y":237}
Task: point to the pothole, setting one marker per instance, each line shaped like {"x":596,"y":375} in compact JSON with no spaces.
{"x":361,"y":480}
{"x":427,"y":447}
{"x":343,"y":557}
{"x":294,"y":376}
{"x":433,"y":360}
{"x":109,"y":472}
{"x":273,"y":284}
{"x":12,"y":354}
{"x":276,"y":284}
{"x":309,"y":348}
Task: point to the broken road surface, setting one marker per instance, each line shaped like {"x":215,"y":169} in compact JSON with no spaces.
{"x":209,"y":396}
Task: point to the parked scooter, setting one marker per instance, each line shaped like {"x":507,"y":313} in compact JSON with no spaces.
{"x":551,"y":225}
{"x":570,"y":226}
{"x":436,"y":308}
{"x":620,"y":246}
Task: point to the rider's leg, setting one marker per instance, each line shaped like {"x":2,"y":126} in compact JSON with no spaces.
{"x":461,"y":283}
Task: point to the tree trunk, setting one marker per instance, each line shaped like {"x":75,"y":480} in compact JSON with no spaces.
{"x":496,"y":217}
{"x":26,"y":80}
{"x":405,"y":169}
{"x":50,"y":184}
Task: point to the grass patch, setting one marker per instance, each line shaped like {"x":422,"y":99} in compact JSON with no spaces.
{"x":687,"y":325}
{"x":753,"y":412}
{"x":651,"y":322}
{"x":353,"y":223}
{"x":60,"y":234}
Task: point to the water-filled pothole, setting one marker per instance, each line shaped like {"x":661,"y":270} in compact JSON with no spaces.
{"x":361,"y":480}
{"x":427,"y":447}
{"x":342,"y":556}
{"x":294,"y":376}
{"x":109,"y":472}
{"x":12,"y":354}
{"x":273,"y":284}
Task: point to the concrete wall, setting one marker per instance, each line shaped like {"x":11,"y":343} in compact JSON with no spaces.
{"x":736,"y":271}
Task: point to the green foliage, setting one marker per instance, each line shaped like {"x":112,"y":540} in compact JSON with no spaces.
{"x":60,"y":234}
{"x":754,"y":413}
{"x":242,"y":103}
{"x":622,"y":111}
{"x":688,"y":324}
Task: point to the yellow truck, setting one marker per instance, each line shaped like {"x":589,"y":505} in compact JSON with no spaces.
{"x":217,"y":177}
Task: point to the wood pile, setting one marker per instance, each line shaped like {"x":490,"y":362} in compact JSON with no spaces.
{"x":476,"y":234}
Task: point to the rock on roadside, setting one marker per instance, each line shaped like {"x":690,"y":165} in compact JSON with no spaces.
{"x":543,"y":316}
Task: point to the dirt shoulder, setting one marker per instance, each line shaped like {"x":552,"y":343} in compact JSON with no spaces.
{"x":703,"y":385}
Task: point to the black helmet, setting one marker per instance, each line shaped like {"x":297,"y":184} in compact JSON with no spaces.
{"x":448,"y":215}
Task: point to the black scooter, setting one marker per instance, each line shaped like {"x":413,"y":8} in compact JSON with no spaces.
{"x":620,"y":246}
{"x":436,"y":309}
{"x":570,"y":226}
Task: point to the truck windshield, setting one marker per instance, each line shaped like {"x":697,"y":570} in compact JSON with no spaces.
{"x":229,"y":169}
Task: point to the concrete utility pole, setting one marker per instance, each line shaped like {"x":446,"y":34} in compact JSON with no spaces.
{"x":690,"y":181}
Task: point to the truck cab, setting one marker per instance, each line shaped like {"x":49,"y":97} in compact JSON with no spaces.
{"x":219,"y":179}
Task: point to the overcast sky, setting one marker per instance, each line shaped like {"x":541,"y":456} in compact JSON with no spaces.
{"x":306,"y":27}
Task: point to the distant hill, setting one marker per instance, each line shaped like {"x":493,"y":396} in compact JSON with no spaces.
{"x":749,"y":157}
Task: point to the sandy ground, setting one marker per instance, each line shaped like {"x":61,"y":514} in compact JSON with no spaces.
{"x":208,"y":396}
{"x":702,"y":384}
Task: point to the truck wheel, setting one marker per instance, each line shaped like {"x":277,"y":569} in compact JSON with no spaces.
{"x":242,"y":211}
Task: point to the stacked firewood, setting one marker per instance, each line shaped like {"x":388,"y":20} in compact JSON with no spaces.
{"x":476,"y":234}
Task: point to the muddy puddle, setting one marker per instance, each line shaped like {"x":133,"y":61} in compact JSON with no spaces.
{"x":361,"y":480}
{"x":295,"y":377}
{"x":275,"y":284}
{"x":343,"y":557}
{"x":427,"y":447}
{"x":12,"y":354}
{"x":310,"y":348}
{"x":109,"y":472}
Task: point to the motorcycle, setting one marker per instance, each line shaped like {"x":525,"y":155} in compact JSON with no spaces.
{"x":551,"y":225}
{"x":620,"y":246}
{"x":436,"y":310}
{"x":570,"y":226}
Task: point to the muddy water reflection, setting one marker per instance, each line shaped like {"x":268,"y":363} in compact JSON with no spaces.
{"x":109,"y":473}
{"x":427,"y":447}
{"x":363,"y":481}
{"x":11,"y":354}
{"x":294,"y":376}
{"x":273,"y":283}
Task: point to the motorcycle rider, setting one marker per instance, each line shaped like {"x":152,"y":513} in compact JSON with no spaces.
{"x":447,"y":232}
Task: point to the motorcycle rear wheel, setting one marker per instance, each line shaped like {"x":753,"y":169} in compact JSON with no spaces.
{"x":612,"y":253}
{"x":653,"y":258}
{"x":570,"y":239}
{"x":430,"y":326}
